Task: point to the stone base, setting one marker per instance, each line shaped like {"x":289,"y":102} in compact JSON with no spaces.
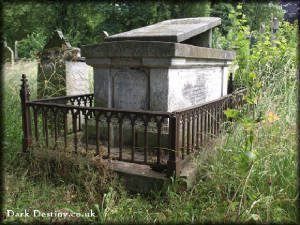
{"x":142,"y":179}
{"x":137,"y":178}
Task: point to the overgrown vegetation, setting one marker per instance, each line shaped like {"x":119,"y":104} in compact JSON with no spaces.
{"x":31,"y":23}
{"x":92,"y":18}
{"x":250,"y":175}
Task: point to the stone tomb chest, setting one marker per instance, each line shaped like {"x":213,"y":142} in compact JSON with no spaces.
{"x":162,"y":67}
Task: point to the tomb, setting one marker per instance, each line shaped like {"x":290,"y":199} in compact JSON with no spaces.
{"x":166,"y":66}
{"x":161,"y":67}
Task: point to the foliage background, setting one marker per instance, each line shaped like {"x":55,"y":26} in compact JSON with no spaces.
{"x":32,"y":23}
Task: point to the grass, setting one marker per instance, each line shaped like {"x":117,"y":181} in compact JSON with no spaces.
{"x":265,"y":191}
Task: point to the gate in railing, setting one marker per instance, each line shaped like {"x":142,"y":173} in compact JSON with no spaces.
{"x":57,"y":123}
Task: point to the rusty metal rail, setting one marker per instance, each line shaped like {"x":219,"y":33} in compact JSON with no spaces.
{"x":200,"y":124}
{"x":59,"y":121}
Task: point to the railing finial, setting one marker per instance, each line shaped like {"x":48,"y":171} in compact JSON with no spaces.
{"x":24,"y":95}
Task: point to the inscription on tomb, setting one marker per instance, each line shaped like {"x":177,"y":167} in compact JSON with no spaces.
{"x":195,"y":93}
{"x":130,"y":89}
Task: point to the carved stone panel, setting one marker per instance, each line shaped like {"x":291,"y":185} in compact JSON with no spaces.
{"x":130,"y":89}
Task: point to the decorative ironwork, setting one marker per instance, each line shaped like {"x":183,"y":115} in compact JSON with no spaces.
{"x":208,"y":118}
{"x":64,"y":117}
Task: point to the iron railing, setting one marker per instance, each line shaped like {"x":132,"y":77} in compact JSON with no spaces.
{"x":200,"y":124}
{"x":57,"y":122}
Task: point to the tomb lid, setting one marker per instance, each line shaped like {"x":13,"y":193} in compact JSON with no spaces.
{"x":58,"y":41}
{"x":174,"y":30}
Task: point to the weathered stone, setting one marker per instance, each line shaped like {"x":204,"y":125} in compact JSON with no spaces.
{"x":178,"y":83}
{"x":8,"y":54}
{"x":76,"y":78}
{"x":150,"y":49}
{"x":58,"y":41}
{"x":203,"y":40}
{"x":188,"y":30}
{"x":61,"y":70}
{"x":148,"y":69}
{"x":130,"y":89}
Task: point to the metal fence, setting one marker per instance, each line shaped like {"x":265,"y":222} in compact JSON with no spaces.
{"x":61,"y":122}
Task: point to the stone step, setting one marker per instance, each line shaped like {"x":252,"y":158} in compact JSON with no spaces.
{"x":137,"y":178}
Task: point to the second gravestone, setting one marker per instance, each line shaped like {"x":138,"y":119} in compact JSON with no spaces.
{"x":61,"y":70}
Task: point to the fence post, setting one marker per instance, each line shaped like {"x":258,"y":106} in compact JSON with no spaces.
{"x":24,"y":95}
{"x":230,"y":84}
{"x":174,"y":163}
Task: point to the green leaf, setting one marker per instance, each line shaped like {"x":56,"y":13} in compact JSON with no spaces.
{"x":232,"y":113}
{"x":252,"y":76}
{"x":237,"y":159}
{"x":97,"y":208}
{"x":239,"y":7}
{"x":258,"y":85}
{"x":231,"y":16}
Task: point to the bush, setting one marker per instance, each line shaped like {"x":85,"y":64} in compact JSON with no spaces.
{"x":28,"y":47}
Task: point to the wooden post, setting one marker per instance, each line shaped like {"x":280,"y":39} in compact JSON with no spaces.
{"x":24,"y":95}
{"x":174,"y":163}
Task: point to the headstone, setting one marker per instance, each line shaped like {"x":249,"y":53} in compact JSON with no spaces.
{"x":8,"y":54}
{"x":61,"y":70}
{"x":275,"y":24}
{"x":274,"y":28}
{"x":166,"y":66}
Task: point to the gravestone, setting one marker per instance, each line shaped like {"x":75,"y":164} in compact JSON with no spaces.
{"x":262,"y":28}
{"x":8,"y":54}
{"x":274,"y":27}
{"x":61,"y":70}
{"x":162,"y":67}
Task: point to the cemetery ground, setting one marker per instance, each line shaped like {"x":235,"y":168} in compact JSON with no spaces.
{"x":264,"y":191}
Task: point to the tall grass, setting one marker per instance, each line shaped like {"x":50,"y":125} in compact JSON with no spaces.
{"x":12,"y":121}
{"x":25,"y":185}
